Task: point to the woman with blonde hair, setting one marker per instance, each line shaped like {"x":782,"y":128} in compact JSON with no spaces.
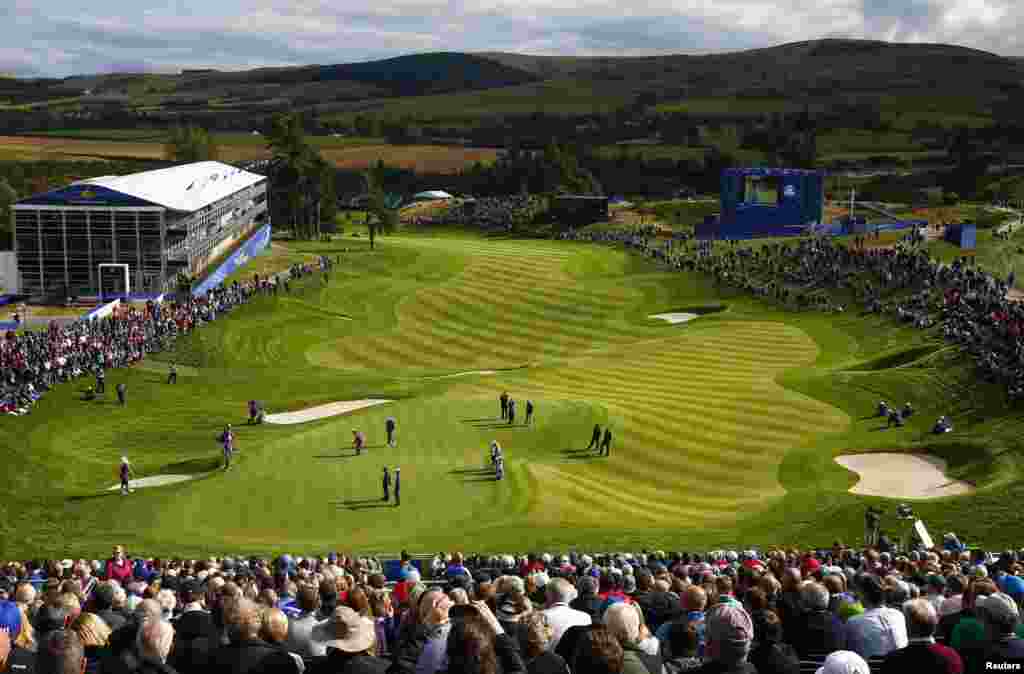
{"x":625,"y":622}
{"x":27,"y":636}
{"x":539,"y":659}
{"x":95,"y":636}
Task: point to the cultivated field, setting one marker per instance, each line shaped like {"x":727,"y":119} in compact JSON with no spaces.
{"x":724,"y":427}
{"x":354,"y":154}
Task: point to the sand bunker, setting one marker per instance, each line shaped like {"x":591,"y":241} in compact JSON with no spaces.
{"x":902,"y":475}
{"x":322,"y":411}
{"x":675,"y":317}
{"x":156,"y":481}
{"x":463,"y":374}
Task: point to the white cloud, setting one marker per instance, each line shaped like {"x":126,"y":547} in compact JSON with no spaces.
{"x":74,"y":36}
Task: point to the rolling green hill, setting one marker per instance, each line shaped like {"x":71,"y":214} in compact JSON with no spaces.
{"x":911,"y":81}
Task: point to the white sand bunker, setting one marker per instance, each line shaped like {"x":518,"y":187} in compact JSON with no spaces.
{"x":157,"y":481}
{"x":464,"y":374}
{"x":322,"y":411}
{"x":675,"y":317}
{"x":902,"y":475}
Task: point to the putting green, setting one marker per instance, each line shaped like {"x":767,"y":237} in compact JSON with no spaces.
{"x":723,"y":426}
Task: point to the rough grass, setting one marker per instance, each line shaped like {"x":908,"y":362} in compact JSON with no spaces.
{"x":724,"y":428}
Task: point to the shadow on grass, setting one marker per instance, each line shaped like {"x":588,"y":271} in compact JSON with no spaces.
{"x":91,"y":497}
{"x":481,"y":478}
{"x":491,"y":419}
{"x":368,"y":506}
{"x":358,"y":501}
{"x":470,"y":471}
{"x":344,"y":455}
{"x":495,"y":427}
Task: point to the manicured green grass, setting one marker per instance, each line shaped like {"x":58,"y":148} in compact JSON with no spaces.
{"x":724,"y":428}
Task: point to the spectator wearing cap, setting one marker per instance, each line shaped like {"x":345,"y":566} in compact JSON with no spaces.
{"x":880,"y":629}
{"x":844,"y":662}
{"x":694,"y":602}
{"x":410,"y":576}
{"x":13,"y":658}
{"x":922,"y":653}
{"x":350,"y":646}
{"x":245,"y":651}
{"x":560,"y":615}
{"x":936,"y":586}
{"x":817,"y":631}
{"x":588,"y":600}
{"x":1000,"y":615}
{"x":624,"y":621}
{"x":729,"y":636}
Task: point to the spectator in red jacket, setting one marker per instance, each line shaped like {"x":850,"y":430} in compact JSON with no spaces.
{"x":118,"y":566}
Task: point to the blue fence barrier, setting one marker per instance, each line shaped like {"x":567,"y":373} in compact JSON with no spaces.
{"x":256,"y":243}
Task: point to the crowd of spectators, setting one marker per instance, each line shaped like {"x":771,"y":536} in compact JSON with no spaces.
{"x":837,"y":610}
{"x":490,"y":213}
{"x":33,"y":361}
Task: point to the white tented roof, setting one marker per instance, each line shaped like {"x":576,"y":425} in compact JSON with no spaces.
{"x":432,"y":194}
{"x":188,"y":187}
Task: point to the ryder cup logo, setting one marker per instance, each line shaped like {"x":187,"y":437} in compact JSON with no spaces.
{"x":789,"y":191}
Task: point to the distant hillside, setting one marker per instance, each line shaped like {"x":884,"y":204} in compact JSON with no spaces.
{"x":959,"y":83}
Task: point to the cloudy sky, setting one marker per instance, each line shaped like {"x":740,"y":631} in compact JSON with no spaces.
{"x":77,"y":37}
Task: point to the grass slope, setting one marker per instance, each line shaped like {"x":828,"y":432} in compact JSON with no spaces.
{"x":725,"y":427}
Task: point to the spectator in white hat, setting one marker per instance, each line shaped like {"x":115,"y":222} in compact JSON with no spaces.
{"x":844,"y":662}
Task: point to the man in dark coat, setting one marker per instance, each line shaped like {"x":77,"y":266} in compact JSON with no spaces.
{"x":588,"y":600}
{"x":503,"y":399}
{"x":606,"y":442}
{"x":511,"y":411}
{"x":121,"y":389}
{"x":922,"y":654}
{"x":387,"y":484}
{"x":103,"y":602}
{"x":398,"y":487}
{"x":246,"y":652}
{"x":529,"y":412}
{"x":389,"y":427}
{"x":817,"y":631}
{"x":595,"y":437}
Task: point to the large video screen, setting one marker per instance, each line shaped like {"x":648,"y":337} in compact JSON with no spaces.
{"x":762,"y":190}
